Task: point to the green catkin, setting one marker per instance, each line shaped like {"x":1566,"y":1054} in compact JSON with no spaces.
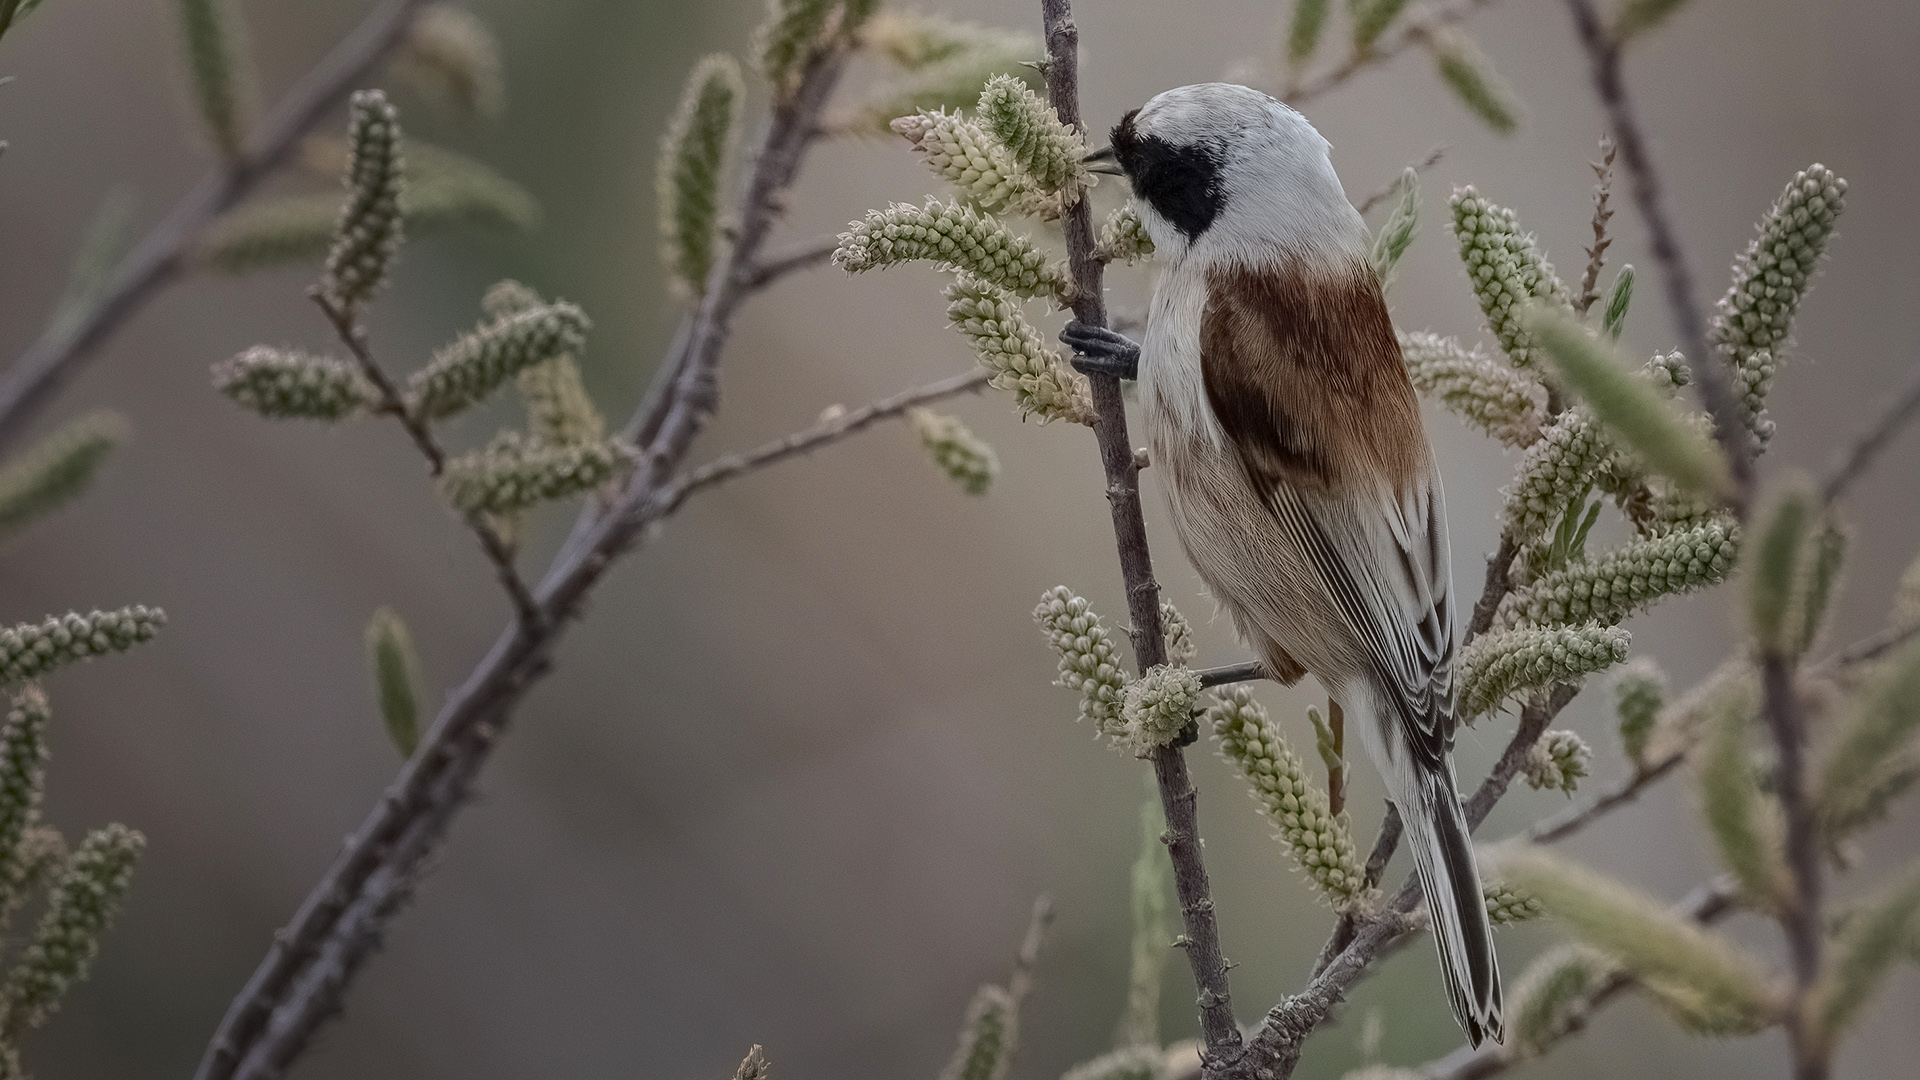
{"x":1371,"y":19}
{"x":987,"y":1037}
{"x":1775,"y":568}
{"x":1557,"y":761}
{"x":1509,"y":405}
{"x":966,"y":459}
{"x":396,"y":678}
{"x":1871,"y":945}
{"x":516,"y":471}
{"x":1872,"y":758}
{"x":1570,"y":455}
{"x":952,"y":84}
{"x":53,"y":471}
{"x":286,"y":383}
{"x":1473,"y":79}
{"x":1506,"y":270}
{"x":1181,"y":647}
{"x":965,"y":155}
{"x":1732,"y":805}
{"x":953,"y":237}
{"x":1816,"y":583}
{"x":217,"y":63}
{"x":691,"y":171}
{"x":1123,"y":238}
{"x":1152,"y":875}
{"x":1320,"y":842}
{"x":1090,"y":663}
{"x":1042,"y":383}
{"x":1397,"y":232}
{"x":80,"y":907}
{"x":1039,"y":143}
{"x":1610,"y":587}
{"x":798,"y":31}
{"x":1303,"y":32}
{"x":1770,"y":278}
{"x":452,"y":57}
{"x":368,"y":234}
{"x":1157,"y":707}
{"x":912,"y":40}
{"x":1639,"y":691}
{"x":1507,"y":905}
{"x":1552,"y":990}
{"x":23,"y":768}
{"x":1507,"y":664}
{"x":1613,"y":313}
{"x":466,"y":371}
{"x":559,"y":410}
{"x":30,"y":650}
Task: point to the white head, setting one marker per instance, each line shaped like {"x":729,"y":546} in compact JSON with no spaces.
{"x":1230,"y":174}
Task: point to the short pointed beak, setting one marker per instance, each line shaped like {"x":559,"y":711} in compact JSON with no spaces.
{"x":1102,"y":161}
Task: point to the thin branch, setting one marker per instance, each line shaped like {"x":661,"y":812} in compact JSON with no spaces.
{"x":1499,"y":581}
{"x":1227,"y":674}
{"x":159,"y":258}
{"x":305,"y":974}
{"x":1390,"y":188}
{"x":803,"y":256}
{"x":1597,"y":254}
{"x":1848,"y":466}
{"x":1574,"y":818}
{"x":1021,"y":982}
{"x":1415,"y":29}
{"x":1177,"y":796}
{"x":1873,"y":648}
{"x":829,"y":430}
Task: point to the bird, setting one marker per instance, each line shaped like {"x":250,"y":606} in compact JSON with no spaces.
{"x":1299,"y":479}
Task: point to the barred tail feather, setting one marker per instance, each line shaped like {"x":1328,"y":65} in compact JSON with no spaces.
{"x":1450,"y":879}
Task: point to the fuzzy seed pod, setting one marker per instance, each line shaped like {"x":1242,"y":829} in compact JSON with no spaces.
{"x":466,"y":371}
{"x":1610,"y":587}
{"x":1123,"y":238}
{"x":1552,"y":990}
{"x":690,"y":175}
{"x":30,"y":650}
{"x":516,"y":471}
{"x":959,"y":453}
{"x":1039,"y":143}
{"x":368,"y":234}
{"x":80,"y":907}
{"x":1509,"y":405}
{"x":285,"y":383}
{"x":1507,"y":905}
{"x":1321,"y":842}
{"x":56,"y":469}
{"x":987,"y":1037}
{"x":1498,"y":667}
{"x":1471,"y":76}
{"x":1506,"y":271}
{"x":1639,"y":691}
{"x":1090,"y":664}
{"x":23,"y":769}
{"x":1157,"y":707}
{"x":396,"y":678}
{"x":954,"y":237}
{"x":1770,"y":279}
{"x":1043,"y":384}
{"x":217,"y":61}
{"x":451,"y":56}
{"x":963,"y":154}
{"x":1557,"y":761}
{"x":1181,"y":648}
{"x":1126,"y":1063}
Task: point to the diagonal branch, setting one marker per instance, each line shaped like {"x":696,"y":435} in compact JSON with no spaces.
{"x":1415,"y":29}
{"x":1853,"y":461}
{"x":159,"y":258}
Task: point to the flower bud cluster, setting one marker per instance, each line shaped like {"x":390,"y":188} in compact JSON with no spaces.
{"x":1506,"y":664}
{"x":368,"y":235}
{"x":1043,"y":384}
{"x":1157,"y":707}
{"x":1509,"y":405}
{"x":955,"y":237}
{"x":1046,"y":149}
{"x":961,"y":454}
{"x":30,"y":650}
{"x":693,"y":158}
{"x":516,"y":471}
{"x":1506,"y":271}
{"x":1562,"y":463}
{"x":965,"y":155}
{"x":1321,"y":843}
{"x":474,"y":366}
{"x":287,"y":383}
{"x":1638,"y":694}
{"x":1507,"y":905}
{"x":80,"y":907}
{"x":987,"y":1037}
{"x":1090,"y":663}
{"x":1557,"y":761}
{"x":1123,"y":237}
{"x":1608,"y":588}
{"x":23,"y":767}
{"x":1181,"y":648}
{"x":57,"y":468}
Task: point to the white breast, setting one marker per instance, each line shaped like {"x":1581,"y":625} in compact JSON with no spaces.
{"x":1173,"y":392}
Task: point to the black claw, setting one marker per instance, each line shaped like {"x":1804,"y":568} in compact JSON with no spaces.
{"x":1100,"y":351}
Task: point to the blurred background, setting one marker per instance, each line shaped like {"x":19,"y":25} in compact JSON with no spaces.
{"x":800,"y":774}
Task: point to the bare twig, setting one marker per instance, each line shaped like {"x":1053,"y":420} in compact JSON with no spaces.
{"x":803,"y":256}
{"x":1574,"y":818}
{"x":1021,"y":982}
{"x":1414,"y":29}
{"x":161,"y":256}
{"x":829,"y":430}
{"x":1177,"y":796}
{"x":1391,"y":187}
{"x":1499,"y":580}
{"x":1597,"y":253}
{"x":1232,"y":673}
{"x":1848,"y":466}
{"x":305,"y":974}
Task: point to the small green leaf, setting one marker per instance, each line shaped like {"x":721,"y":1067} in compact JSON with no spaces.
{"x":396,"y":678}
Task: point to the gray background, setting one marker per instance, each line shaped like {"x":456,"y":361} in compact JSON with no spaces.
{"x":800,"y":774}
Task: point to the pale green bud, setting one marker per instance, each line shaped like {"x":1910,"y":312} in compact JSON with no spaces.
{"x":1613,"y":314}
{"x":954,"y":237}
{"x":1571,"y":454}
{"x":1610,"y":587}
{"x":987,"y":1037}
{"x":23,"y":769}
{"x":217,"y":63}
{"x":80,"y":907}
{"x":1157,"y":707}
{"x":368,"y":234}
{"x":1775,"y":558}
{"x":1090,"y":664}
{"x":396,"y":678}
{"x":1181,"y":648}
{"x":1639,"y":691}
{"x":286,"y":383}
{"x":1471,"y":76}
{"x":794,"y":33}
{"x":1742,"y":824}
{"x":1506,"y":270}
{"x":1321,"y":843}
{"x":1397,"y":232}
{"x":30,"y":650}
{"x":1866,"y":952}
{"x":1123,"y":238}
{"x":1507,"y":664}
{"x":1040,"y":144}
{"x":1553,"y":992}
{"x":959,"y":453}
{"x":1509,"y":405}
{"x":1303,"y":32}
{"x":1371,"y":18}
{"x":1042,"y":382}
{"x":951,"y":84}
{"x":1126,"y":1063}
{"x":451,"y":56}
{"x":472,"y":367}
{"x":1507,"y":905}
{"x":692,"y":167}
{"x":1557,"y":761}
{"x":516,"y":471}
{"x":559,"y":410}
{"x":963,"y":154}
{"x":55,"y":470}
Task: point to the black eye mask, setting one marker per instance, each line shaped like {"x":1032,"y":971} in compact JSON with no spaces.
{"x":1181,"y":183}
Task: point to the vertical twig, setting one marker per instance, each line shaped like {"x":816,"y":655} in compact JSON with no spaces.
{"x":1177,"y":796}
{"x":1602,"y":213}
